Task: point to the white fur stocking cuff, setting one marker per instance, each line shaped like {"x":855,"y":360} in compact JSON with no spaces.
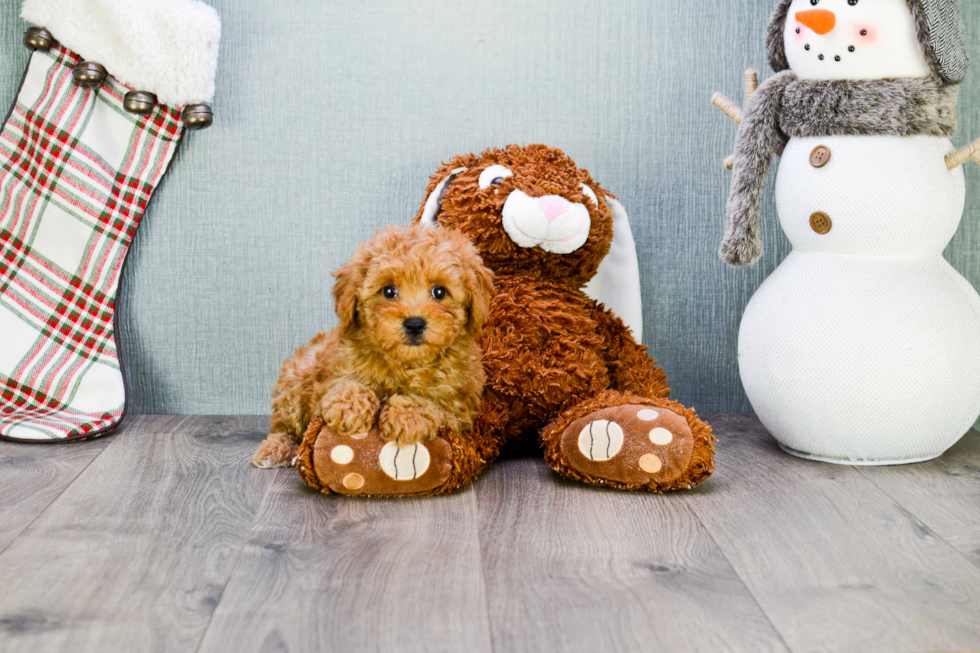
{"x":166,"y":47}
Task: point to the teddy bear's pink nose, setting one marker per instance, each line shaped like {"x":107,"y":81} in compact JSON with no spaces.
{"x":553,"y":206}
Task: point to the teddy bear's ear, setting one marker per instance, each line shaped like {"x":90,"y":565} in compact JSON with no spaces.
{"x":433,"y":203}
{"x":617,"y":282}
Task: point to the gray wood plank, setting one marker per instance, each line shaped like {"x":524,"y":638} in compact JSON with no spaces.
{"x":835,"y":563}
{"x":344,"y":574}
{"x":34,"y":475}
{"x":944,"y":494}
{"x":134,"y":555}
{"x":575,"y":568}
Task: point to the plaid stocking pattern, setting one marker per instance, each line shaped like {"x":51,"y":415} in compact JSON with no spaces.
{"x":76,"y":173}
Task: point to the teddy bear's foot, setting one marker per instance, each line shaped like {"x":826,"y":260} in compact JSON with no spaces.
{"x":366,"y":465}
{"x":631,"y":443}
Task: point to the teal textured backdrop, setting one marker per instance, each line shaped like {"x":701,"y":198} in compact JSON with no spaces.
{"x":331,"y":115}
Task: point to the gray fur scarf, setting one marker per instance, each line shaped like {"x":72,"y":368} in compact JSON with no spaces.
{"x":789,"y":107}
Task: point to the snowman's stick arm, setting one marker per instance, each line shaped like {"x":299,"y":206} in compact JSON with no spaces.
{"x":751,"y":83}
{"x":959,"y":157}
{"x":727,"y":107}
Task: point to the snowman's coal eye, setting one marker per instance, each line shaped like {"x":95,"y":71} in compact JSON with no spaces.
{"x":494,"y":176}
{"x":852,"y":2}
{"x":814,"y":2}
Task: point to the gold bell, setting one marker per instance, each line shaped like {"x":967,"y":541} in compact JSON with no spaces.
{"x":89,"y":74}
{"x":197,"y":116}
{"x":38,"y":38}
{"x":139,"y":102}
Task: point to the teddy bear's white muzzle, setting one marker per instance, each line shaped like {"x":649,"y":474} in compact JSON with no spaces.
{"x":551,"y":223}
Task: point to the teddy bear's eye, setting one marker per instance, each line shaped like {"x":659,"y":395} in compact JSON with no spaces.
{"x":494,"y":176}
{"x":389,"y":292}
{"x":438,"y":293}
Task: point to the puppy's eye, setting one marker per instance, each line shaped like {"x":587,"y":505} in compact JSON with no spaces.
{"x":389,"y":292}
{"x":494,"y":176}
{"x":438,"y":293}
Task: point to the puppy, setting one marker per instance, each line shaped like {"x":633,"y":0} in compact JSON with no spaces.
{"x":406,"y":356}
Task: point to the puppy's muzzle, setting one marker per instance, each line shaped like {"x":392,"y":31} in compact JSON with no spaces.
{"x":414,"y":328}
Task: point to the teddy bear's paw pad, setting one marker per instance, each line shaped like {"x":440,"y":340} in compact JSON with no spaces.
{"x":365,"y":464}
{"x":631,"y":444}
{"x":600,"y":440}
{"x":406,"y":463}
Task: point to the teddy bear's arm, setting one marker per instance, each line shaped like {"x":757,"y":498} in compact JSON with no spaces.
{"x":630,"y":367}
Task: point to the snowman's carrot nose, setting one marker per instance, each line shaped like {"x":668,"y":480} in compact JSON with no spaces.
{"x":820,"y":21}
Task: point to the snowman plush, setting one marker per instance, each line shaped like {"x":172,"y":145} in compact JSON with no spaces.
{"x":863,"y":346}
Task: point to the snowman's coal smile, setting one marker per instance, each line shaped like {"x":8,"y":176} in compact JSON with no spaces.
{"x":821,"y":56}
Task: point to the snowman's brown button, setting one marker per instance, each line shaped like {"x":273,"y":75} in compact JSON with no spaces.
{"x":821,"y":222}
{"x":820,"y":156}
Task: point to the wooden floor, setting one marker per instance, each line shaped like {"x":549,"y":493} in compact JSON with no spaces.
{"x":163,"y":538}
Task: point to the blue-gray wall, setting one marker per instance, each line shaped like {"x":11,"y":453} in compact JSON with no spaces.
{"x":330,"y":116}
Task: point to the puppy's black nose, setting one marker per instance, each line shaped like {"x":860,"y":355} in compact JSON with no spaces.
{"x":414,"y":326}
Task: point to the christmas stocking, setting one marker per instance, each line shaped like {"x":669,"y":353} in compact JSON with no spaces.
{"x":109,"y":91}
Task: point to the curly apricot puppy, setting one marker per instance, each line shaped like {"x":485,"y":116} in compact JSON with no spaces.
{"x":406,"y":356}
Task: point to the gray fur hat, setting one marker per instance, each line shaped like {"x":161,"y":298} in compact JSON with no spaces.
{"x":937,"y":22}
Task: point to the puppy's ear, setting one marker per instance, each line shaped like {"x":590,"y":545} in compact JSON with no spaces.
{"x":479,"y":285}
{"x":348,"y":280}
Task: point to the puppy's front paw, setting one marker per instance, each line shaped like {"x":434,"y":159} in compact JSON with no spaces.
{"x":277,"y":450}
{"x":407,"y":423}
{"x":350,"y":408}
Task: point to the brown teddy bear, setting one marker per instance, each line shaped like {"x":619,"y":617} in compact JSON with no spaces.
{"x":561,"y":369}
